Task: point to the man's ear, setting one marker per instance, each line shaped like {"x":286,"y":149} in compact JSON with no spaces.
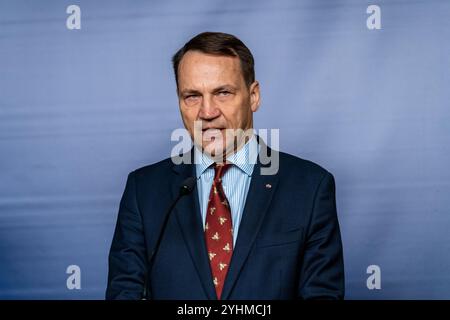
{"x":254,"y":96}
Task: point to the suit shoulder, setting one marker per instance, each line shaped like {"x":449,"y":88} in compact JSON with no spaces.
{"x":290,"y":164}
{"x":154,"y":169}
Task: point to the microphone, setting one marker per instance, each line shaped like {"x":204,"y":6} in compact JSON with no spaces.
{"x":186,"y":188}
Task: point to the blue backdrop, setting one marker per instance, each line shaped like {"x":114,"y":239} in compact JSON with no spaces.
{"x":80,"y":108}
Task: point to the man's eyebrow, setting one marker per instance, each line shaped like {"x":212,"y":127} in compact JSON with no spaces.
{"x":189,"y":91}
{"x":227,"y":87}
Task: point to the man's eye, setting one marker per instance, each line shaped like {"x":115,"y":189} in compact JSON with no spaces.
{"x":191,"y":96}
{"x":224,"y":93}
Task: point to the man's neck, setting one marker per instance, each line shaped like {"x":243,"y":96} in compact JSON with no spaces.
{"x":237,"y":145}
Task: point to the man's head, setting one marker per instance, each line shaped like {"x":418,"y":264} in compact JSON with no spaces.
{"x":216,"y":87}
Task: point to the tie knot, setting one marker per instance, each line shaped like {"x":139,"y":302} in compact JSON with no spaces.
{"x":220,"y":169}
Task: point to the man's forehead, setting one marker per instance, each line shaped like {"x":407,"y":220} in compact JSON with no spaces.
{"x":196,"y":62}
{"x":198,"y":68}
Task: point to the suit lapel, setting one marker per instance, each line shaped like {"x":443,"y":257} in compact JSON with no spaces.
{"x":259,"y":196}
{"x":189,"y":219}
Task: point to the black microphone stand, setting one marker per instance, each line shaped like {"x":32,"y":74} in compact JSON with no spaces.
{"x":186,"y":188}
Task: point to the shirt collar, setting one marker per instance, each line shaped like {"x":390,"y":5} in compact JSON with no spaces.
{"x":245,"y":158}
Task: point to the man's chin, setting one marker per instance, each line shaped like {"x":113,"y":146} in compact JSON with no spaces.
{"x":214,"y":151}
{"x":211,"y":150}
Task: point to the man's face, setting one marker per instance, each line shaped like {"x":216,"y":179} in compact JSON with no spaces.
{"x":213,"y":92}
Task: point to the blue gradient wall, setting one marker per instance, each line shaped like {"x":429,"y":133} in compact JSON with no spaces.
{"x":79,"y":109}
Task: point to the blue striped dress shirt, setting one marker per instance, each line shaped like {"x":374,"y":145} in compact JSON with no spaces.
{"x":235,"y":182}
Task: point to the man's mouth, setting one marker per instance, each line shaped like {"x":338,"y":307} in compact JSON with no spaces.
{"x":212,"y":130}
{"x":212,"y":133}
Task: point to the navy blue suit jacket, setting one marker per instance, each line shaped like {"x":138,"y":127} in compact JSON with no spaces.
{"x":288,"y":245}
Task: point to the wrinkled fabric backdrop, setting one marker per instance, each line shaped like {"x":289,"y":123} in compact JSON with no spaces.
{"x":80,"y":109}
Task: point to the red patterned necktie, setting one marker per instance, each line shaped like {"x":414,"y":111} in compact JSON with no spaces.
{"x":219,"y":230}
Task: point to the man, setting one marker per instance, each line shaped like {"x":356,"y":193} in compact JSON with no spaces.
{"x":241,"y":234}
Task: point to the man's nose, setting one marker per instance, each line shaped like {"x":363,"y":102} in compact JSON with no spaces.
{"x":208,"y":109}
